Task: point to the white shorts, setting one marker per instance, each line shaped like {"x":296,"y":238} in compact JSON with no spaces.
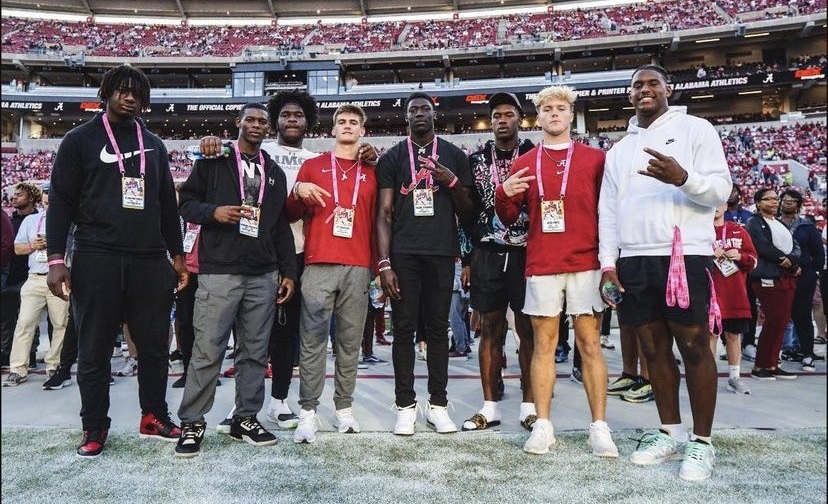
{"x":545,"y":294}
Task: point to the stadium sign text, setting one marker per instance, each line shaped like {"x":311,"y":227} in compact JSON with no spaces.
{"x":23,"y":105}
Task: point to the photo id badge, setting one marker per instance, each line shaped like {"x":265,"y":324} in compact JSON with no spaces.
{"x":552,"y":216}
{"x":132,"y":193}
{"x":423,"y":203}
{"x":249,"y":223}
{"x":40,"y":255}
{"x":726,"y":266}
{"x":190,"y":237}
{"x":343,"y":222}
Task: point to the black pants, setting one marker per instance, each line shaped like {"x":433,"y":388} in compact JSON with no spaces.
{"x":107,"y":288}
{"x":749,"y":338}
{"x":801,"y":315}
{"x":425,"y":282}
{"x":8,"y":316}
{"x":69,"y":350}
{"x":284,"y":339}
{"x":184,"y":306}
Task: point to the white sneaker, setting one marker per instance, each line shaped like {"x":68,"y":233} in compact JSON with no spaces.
{"x":655,"y":448}
{"x":542,"y":437}
{"x":698,"y":462}
{"x":406,"y":419}
{"x":749,"y":353}
{"x":600,"y":440}
{"x":280,"y":414}
{"x":306,"y":430}
{"x":224,"y":426}
{"x":130,"y":367}
{"x":437,"y":418}
{"x":737,"y":386}
{"x":345,"y":421}
{"x":606,"y":343}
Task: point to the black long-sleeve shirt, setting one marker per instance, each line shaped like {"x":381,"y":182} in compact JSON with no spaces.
{"x":86,"y":189}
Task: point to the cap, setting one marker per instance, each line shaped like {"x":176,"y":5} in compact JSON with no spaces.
{"x":503,"y":98}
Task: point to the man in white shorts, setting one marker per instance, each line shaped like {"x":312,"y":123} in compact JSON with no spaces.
{"x":559,"y":182}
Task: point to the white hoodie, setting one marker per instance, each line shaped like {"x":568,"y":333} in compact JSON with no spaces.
{"x":637,"y":213}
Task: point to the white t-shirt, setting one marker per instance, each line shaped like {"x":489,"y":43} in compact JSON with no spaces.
{"x":290,"y":159}
{"x":27,"y":233}
{"x":780,"y":235}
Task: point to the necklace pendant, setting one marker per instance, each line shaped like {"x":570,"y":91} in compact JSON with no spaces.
{"x":421,"y":151}
{"x":344,"y":176}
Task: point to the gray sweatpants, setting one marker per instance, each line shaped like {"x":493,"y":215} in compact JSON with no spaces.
{"x":221,"y":300}
{"x":341,"y":291}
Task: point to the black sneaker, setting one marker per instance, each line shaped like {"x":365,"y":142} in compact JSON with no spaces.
{"x":249,"y":430}
{"x":93,"y":443}
{"x":781,"y":374}
{"x":61,"y":378}
{"x":792,"y":356}
{"x":762,"y":374}
{"x":189,"y":444}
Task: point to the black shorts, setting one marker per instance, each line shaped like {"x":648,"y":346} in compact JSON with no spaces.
{"x":735,"y":325}
{"x":498,"y":279}
{"x":645,"y":283}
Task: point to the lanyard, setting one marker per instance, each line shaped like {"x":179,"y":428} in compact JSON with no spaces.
{"x":241,"y":174}
{"x":495,"y":176}
{"x":429,"y":183}
{"x":569,"y":151}
{"x":40,"y":223}
{"x":336,"y":184}
{"x":108,"y":129}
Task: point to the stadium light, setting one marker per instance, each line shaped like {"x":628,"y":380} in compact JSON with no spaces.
{"x":599,"y":110}
{"x":700,"y":97}
{"x":758,"y":91}
{"x":702,"y":41}
{"x":763,"y":34}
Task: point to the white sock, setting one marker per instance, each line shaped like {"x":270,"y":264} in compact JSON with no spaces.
{"x":706,"y":439}
{"x":526,"y":409}
{"x":676,"y":431}
{"x":489,"y":410}
{"x":734,"y":372}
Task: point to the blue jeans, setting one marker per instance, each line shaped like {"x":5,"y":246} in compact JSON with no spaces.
{"x":457,"y":321}
{"x":790,"y":342}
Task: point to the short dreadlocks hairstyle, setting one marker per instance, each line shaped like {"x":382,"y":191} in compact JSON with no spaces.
{"x":305,"y":101}
{"x":125,"y":77}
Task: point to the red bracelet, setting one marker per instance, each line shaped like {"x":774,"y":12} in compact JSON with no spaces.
{"x":53,"y":262}
{"x":453,"y":182}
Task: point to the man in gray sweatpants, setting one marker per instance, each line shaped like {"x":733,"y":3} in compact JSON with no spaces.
{"x":245,"y":243}
{"x":336,"y":195}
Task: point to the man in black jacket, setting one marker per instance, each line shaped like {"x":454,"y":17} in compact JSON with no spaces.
{"x":112,"y":179}
{"x":245,"y":244}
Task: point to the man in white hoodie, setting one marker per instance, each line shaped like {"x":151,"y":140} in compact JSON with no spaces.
{"x":662,"y":183}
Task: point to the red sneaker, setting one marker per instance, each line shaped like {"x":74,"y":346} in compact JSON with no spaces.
{"x":269,"y":371}
{"x":230,"y":373}
{"x":382,"y":341}
{"x":159,"y":428}
{"x":93,"y":443}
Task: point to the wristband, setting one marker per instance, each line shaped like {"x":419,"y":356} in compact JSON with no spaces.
{"x":54,"y":262}
{"x":384,"y":260}
{"x":684,"y":180}
{"x":453,"y":182}
{"x":608,"y":268}
{"x":295,"y":189}
{"x":384,"y":268}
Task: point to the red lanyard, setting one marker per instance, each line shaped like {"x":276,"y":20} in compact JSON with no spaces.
{"x":429,"y":182}
{"x":336,"y":184}
{"x":241,"y":174}
{"x":108,"y":129}
{"x":496,"y":176}
{"x":569,"y":151}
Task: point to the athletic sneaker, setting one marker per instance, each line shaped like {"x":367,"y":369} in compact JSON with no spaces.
{"x":281,"y":415}
{"x":600,"y":440}
{"x":345,"y":421}
{"x":250,"y":430}
{"x":189,"y":444}
{"x":808,"y":364}
{"x":373,"y":359}
{"x":224,"y":426}
{"x":130,"y":367}
{"x":792,"y":356}
{"x":606,"y":343}
{"x":624,"y":383}
{"x":155,"y":427}
{"x":641,"y":392}
{"x":737,"y":386}
{"x":781,"y":374}
{"x":655,"y":448}
{"x":61,"y":378}
{"x":699,"y":458}
{"x":762,"y":374}
{"x":14,"y":380}
{"x":406,"y":419}
{"x":421,"y":355}
{"x":93,"y":443}
{"x":437,"y":418}
{"x":454,"y":354}
{"x":749,"y":353}
{"x":542,"y":437}
{"x":306,"y":430}
{"x":576,"y":376}
{"x":361,"y":365}
{"x":561,"y":354}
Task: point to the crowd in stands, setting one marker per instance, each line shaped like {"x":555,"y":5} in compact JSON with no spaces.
{"x":739,"y":68}
{"x":97,"y":39}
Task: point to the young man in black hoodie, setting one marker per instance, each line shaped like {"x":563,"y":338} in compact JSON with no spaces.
{"x":245,"y":245}
{"x":112,"y":178}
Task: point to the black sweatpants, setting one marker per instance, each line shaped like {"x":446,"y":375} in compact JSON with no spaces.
{"x":284,"y":338}
{"x":106,"y":289}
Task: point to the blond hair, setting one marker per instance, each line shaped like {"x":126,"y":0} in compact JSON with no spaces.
{"x":563,"y":93}
{"x":351,"y":108}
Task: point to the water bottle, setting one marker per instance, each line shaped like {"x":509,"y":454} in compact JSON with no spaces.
{"x":612,"y":292}
{"x":194,"y":153}
{"x":375,"y":293}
